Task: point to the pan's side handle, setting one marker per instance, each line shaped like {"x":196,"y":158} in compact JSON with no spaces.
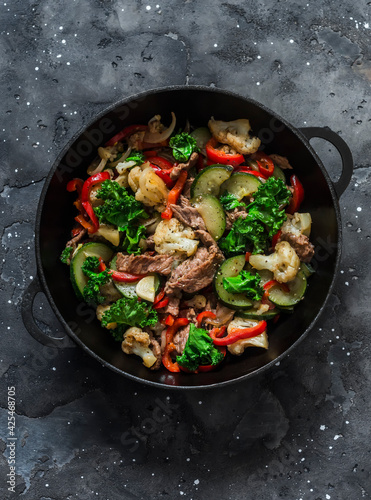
{"x":29,"y":321}
{"x":343,"y":148}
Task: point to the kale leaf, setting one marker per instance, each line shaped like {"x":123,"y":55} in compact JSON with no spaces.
{"x":119,"y":208}
{"x":66,"y":255}
{"x":137,"y":156}
{"x":91,"y":291}
{"x":246,"y":283}
{"x":230,"y":201}
{"x":130,"y":312}
{"x":183,"y":146}
{"x":133,"y":235}
{"x":246,"y":235}
{"x":199,"y":350}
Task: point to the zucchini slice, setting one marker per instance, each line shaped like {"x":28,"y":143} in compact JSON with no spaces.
{"x":241,"y":184}
{"x":307,"y":269}
{"x":128,"y":290}
{"x":212,"y":212}
{"x":231,"y":267}
{"x":252,"y":314}
{"x":278,"y":173}
{"x":93,"y":249}
{"x":296,"y":292}
{"x":202,"y":136}
{"x":209,"y":180}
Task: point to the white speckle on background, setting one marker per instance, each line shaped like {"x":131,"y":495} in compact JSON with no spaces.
{"x":291,"y":41}
{"x":215,"y":44}
{"x":196,"y":481}
{"x":322,"y":427}
{"x":148,"y":7}
{"x":359,"y":209}
{"x":337,"y":436}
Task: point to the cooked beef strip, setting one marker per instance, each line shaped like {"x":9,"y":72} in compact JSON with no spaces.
{"x":281,"y":161}
{"x":156,"y":349}
{"x":180,"y":338}
{"x":187,"y":215}
{"x":196,"y":272}
{"x":76,"y":240}
{"x":223,"y":315}
{"x":144,"y":264}
{"x":150,"y":243}
{"x":175,"y":173}
{"x":301,"y":244}
{"x":187,"y":187}
{"x":172,"y":307}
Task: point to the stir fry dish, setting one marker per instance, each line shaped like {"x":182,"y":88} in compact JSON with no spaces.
{"x":189,"y":243}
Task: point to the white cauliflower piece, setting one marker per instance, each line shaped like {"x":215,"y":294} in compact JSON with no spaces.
{"x":149,"y":188}
{"x":236,"y":134}
{"x":137,"y":342}
{"x":284,"y":262}
{"x":173,"y":238}
{"x":297,"y":224}
{"x":238,"y":347}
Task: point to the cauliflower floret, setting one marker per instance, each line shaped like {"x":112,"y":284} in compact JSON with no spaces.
{"x":149,"y":188}
{"x":236,"y":134}
{"x":137,"y":342}
{"x":238,"y":347}
{"x":173,"y":238}
{"x":297,"y":224}
{"x":284,"y":262}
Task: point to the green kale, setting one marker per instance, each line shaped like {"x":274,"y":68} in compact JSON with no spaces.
{"x":119,"y":208}
{"x":183,"y":146}
{"x":264,"y":219}
{"x":137,"y":156}
{"x":130,"y":312}
{"x":133,"y":235}
{"x":246,"y":283}
{"x":199,"y":350}
{"x":91,"y":291}
{"x":230,"y":201}
{"x":66,"y":255}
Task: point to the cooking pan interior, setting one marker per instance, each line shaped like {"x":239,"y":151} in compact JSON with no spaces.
{"x":197,"y":105}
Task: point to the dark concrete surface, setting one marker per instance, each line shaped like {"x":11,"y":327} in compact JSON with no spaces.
{"x":300,"y":432}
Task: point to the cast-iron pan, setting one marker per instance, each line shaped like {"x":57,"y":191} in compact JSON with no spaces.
{"x":197,"y":104}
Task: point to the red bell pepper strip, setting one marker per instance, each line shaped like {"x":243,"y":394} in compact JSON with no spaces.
{"x":209,"y":368}
{"x":203,"y":315}
{"x":126,"y":132}
{"x":164,"y":175}
{"x":85,"y":224}
{"x":75,"y":185}
{"x":119,"y":276}
{"x":171,"y":365}
{"x":247,"y":256}
{"x":162,"y":303}
{"x":217,"y":156}
{"x":159,"y":296}
{"x":94,"y":219}
{"x":275,"y":238}
{"x":267,"y":286}
{"x":265,"y":163}
{"x":250,"y":171}
{"x":297,"y":195}
{"x":174,"y":194}
{"x":161,"y":162}
{"x":90,"y":182}
{"x":237,"y":333}
{"x":169,"y":321}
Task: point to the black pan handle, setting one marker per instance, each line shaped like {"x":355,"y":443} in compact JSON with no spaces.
{"x":343,"y":148}
{"x":29,"y":321}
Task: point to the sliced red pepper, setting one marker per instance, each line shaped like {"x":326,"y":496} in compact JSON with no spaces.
{"x":275,"y":238}
{"x":247,"y":256}
{"x":174,"y":194}
{"x":75,"y":185}
{"x":217,"y":156}
{"x":76,"y":231}
{"x":250,"y":171}
{"x":161,"y":162}
{"x":94,"y":219}
{"x":164,"y":175}
{"x":162,"y":303}
{"x":126,"y":132}
{"x":85,"y":224}
{"x":237,"y":333}
{"x":169,"y":321}
{"x":90,"y":182}
{"x":159,"y":296}
{"x":171,"y":365}
{"x":119,"y":276}
{"x":265,"y":163}
{"x":297,"y":195}
{"x":203,"y":315}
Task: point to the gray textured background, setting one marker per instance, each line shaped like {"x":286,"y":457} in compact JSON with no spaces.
{"x":301,"y":432}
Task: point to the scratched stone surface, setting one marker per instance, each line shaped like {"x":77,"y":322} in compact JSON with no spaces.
{"x":301,"y":431}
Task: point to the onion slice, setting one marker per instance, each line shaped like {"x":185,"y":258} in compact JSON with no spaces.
{"x":156,"y":137}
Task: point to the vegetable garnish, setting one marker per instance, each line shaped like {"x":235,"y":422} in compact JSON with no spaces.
{"x":171,"y":365}
{"x":218,"y":156}
{"x":297,"y":196}
{"x":250,"y":171}
{"x":130,"y":312}
{"x":119,"y":208}
{"x":164,"y":175}
{"x":131,"y":241}
{"x":265,"y":163}
{"x":174,"y":194}
{"x":126,"y":132}
{"x":199,"y":350}
{"x":183,"y":146}
{"x":91,"y":291}
{"x":230,"y":201}
{"x":246,"y":283}
{"x":118,"y":275}
{"x":162,"y":303}
{"x":275,"y":238}
{"x":136,"y":156}
{"x":204,"y":314}
{"x":236,"y":333}
{"x":66,"y":255}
